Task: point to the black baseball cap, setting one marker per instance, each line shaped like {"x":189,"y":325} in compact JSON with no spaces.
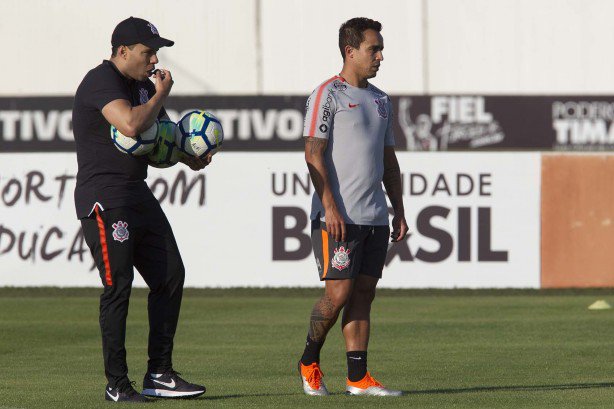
{"x":135,"y":30}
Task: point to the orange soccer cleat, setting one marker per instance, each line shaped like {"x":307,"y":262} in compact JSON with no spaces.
{"x":369,"y":386}
{"x":311,"y":375}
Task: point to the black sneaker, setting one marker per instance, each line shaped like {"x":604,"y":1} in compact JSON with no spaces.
{"x":124,"y":393}
{"x":170,"y":385}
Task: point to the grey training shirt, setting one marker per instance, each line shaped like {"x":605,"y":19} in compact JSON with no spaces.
{"x":357,"y":122}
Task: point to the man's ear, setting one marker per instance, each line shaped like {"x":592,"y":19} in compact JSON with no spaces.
{"x":123,"y":51}
{"x":349,"y":51}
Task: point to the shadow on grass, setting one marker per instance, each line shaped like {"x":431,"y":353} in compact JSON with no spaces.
{"x":246,"y":395}
{"x":512,"y":388}
{"x":263,"y":395}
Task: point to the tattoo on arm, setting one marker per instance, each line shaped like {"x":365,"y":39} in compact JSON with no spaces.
{"x":314,"y":155}
{"x":323,"y":317}
{"x":315,"y":145}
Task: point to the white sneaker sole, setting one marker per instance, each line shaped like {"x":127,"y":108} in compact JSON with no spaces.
{"x":372,"y":391}
{"x":164,"y":393}
{"x":314,"y":392}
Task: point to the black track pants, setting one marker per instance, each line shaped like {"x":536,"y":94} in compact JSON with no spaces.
{"x":139,"y":236}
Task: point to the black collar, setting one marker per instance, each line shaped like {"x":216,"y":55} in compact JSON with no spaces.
{"x":128,"y":81}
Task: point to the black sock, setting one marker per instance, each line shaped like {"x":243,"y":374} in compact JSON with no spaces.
{"x":357,"y":365}
{"x":312,"y":352}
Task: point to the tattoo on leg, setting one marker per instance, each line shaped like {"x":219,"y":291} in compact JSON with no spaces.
{"x":323,"y":317}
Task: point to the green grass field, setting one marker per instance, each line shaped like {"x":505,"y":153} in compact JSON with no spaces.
{"x":447,"y":349}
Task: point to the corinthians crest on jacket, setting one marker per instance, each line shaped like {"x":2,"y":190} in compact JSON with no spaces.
{"x":341,"y":259}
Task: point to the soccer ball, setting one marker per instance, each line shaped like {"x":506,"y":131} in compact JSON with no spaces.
{"x":141,"y":145}
{"x":198,"y":133}
{"x":165,"y":153}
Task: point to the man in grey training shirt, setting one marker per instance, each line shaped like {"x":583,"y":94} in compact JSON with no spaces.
{"x":349,"y":149}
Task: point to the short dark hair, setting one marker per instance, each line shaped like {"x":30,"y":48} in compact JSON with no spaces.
{"x":352,"y":32}
{"x":116,"y":47}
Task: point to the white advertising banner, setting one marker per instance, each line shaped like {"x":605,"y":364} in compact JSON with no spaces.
{"x":473,"y":220}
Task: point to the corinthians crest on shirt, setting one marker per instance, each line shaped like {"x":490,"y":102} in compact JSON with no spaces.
{"x":143,"y":96}
{"x":382,"y":107}
{"x":341,"y":259}
{"x":120,"y":231}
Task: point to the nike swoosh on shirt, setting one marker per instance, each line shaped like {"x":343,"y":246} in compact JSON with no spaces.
{"x":356,"y":359}
{"x":115,"y":398}
{"x":170,"y":384}
{"x":353,"y":105}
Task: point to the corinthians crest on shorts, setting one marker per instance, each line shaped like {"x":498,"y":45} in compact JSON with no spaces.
{"x":120,"y":231}
{"x":341,"y":259}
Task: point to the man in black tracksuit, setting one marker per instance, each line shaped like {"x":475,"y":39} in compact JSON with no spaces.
{"x":123,"y":223}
